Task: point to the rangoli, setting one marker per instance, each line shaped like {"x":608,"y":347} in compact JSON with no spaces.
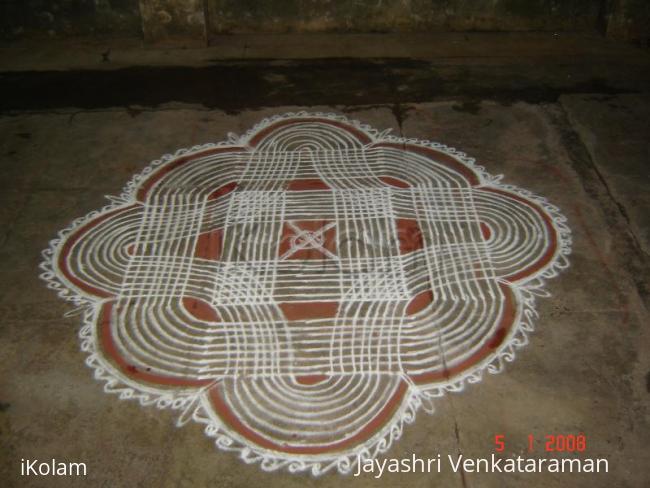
{"x":302,"y":290}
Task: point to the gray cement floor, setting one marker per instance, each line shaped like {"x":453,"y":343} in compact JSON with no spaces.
{"x":586,"y":370}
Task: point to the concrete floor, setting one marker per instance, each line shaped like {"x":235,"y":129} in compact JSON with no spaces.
{"x":582,"y":144}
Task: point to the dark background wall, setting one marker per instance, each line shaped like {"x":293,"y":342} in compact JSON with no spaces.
{"x":228,"y":16}
{"x":201,"y":20}
{"x":66,"y":18}
{"x":629,"y":20}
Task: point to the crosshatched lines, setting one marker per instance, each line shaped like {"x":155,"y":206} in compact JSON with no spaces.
{"x":303,"y":289}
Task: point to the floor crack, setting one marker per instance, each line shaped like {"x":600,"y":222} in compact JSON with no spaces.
{"x":596,"y":187}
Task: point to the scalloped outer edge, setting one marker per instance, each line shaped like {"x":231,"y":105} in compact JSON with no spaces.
{"x":193,"y":404}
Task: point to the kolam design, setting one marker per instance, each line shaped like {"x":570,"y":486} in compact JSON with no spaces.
{"x":304,"y":289}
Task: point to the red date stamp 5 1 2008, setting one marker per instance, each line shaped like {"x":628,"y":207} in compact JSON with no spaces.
{"x":550,"y":442}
